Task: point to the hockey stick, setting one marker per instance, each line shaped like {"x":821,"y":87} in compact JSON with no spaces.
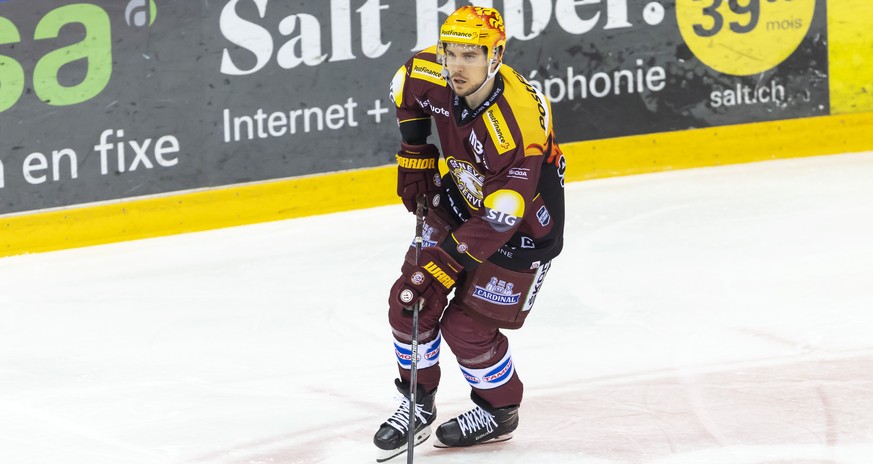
{"x":420,"y":211}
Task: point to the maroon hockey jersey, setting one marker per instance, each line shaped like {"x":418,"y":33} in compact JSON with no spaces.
{"x":504,"y":186}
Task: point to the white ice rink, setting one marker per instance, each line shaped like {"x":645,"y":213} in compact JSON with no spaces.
{"x":709,"y":316}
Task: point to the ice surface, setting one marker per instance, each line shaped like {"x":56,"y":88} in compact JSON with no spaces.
{"x":707,"y":316}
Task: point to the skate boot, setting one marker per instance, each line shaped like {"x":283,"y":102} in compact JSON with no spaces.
{"x":392,"y":436}
{"x":482,"y":424}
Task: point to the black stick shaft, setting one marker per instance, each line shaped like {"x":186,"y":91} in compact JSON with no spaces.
{"x":420,"y":211}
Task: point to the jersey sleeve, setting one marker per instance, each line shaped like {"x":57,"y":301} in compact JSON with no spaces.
{"x":411,"y":82}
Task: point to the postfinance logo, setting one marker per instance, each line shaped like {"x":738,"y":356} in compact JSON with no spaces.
{"x":499,"y":130}
{"x":95,"y":49}
{"x":458,"y":34}
{"x":427,"y":71}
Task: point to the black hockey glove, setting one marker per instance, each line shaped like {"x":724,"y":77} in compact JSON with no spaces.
{"x":418,"y":174}
{"x":432,"y":279}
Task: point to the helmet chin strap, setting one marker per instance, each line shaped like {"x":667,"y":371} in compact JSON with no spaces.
{"x":491,"y":74}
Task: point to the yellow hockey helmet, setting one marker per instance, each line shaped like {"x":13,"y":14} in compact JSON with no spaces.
{"x":474,"y":25}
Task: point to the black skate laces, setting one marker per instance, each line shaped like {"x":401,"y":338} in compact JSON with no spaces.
{"x":475,"y":420}
{"x":400,"y":419}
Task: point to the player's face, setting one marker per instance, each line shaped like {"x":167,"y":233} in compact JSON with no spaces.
{"x":467,"y":66}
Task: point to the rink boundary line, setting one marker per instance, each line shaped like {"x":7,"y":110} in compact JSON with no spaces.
{"x":213,"y":208}
{"x":719,"y":146}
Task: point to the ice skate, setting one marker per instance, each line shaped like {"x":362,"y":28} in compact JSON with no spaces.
{"x":392,"y":437}
{"x":480,"y":425}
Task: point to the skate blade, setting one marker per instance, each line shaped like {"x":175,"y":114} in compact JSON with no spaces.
{"x":420,"y":437}
{"x":497,"y":439}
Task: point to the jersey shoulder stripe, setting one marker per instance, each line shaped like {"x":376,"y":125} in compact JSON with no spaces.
{"x":499,"y":130}
{"x":530,"y":109}
{"x":427,"y":71}
{"x":424,"y":67}
{"x":398,"y":84}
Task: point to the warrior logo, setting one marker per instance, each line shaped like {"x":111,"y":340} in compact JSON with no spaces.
{"x":498,"y":292}
{"x":468,"y":180}
{"x":439,"y":275}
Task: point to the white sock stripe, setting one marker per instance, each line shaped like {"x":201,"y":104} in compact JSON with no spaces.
{"x":428,"y":353}
{"x":492,"y":376}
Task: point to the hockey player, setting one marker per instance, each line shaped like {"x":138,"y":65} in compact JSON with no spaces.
{"x":494,"y":223}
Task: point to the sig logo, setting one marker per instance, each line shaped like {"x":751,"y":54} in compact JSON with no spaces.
{"x":500,"y":220}
{"x":504,"y":209}
{"x":140,"y":13}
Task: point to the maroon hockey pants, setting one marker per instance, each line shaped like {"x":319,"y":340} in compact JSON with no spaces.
{"x":482,"y":351}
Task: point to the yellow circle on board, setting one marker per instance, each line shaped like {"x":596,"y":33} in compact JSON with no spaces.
{"x":743,"y":37}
